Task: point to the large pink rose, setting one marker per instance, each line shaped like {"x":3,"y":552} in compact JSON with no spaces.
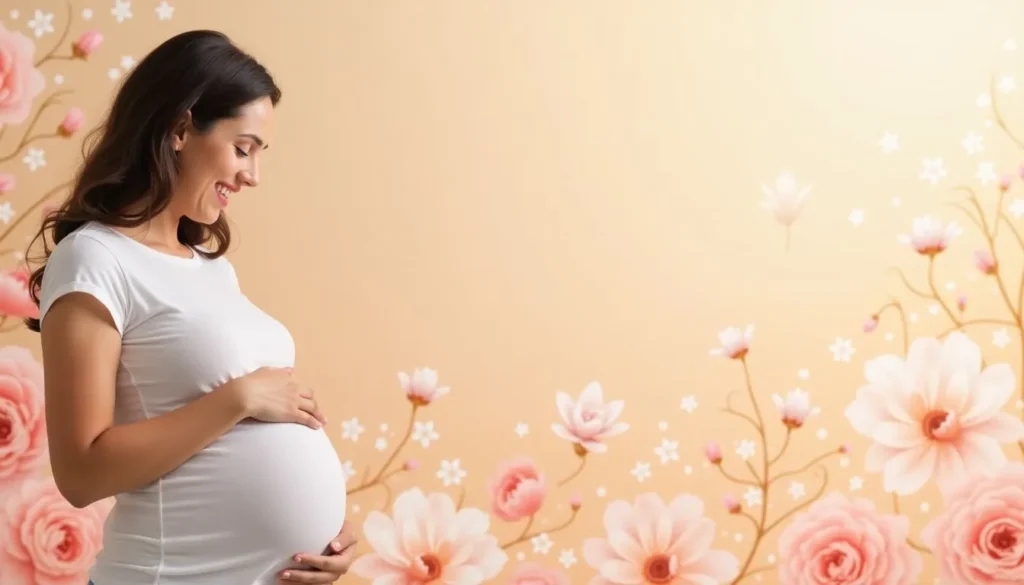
{"x":20,"y":81}
{"x":534,"y":574}
{"x":44,"y":540}
{"x":842,"y":542}
{"x":15,"y":301}
{"x":23,"y":445}
{"x":979,"y":539}
{"x":517,"y":491}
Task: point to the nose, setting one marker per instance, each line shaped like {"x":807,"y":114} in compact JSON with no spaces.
{"x":251,"y":176}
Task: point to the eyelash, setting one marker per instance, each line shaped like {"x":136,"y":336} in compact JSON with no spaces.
{"x":241,"y":153}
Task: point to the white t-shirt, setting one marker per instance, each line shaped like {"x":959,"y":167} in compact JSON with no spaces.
{"x":235,"y":513}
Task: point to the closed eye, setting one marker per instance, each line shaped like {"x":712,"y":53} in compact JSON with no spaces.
{"x":241,"y":153}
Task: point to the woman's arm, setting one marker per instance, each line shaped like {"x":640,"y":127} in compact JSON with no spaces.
{"x":93,"y":459}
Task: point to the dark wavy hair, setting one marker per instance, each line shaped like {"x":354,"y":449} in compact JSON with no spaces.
{"x":129,"y":171}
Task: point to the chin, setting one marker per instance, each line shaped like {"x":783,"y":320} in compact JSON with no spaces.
{"x":206,"y":218}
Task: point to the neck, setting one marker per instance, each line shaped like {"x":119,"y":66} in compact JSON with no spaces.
{"x":160,"y":231}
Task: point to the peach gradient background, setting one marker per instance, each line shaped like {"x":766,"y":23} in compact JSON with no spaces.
{"x":528,"y":196}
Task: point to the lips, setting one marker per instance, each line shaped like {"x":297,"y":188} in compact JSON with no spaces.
{"x":224,"y":192}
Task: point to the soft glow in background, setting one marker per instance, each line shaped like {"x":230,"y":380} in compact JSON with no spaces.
{"x":527,"y":196}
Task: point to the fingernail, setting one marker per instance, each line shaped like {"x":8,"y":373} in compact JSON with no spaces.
{"x":336,"y":546}
{"x":298,"y":558}
{"x":286,"y":575}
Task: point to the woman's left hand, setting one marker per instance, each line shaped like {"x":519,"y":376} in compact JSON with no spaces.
{"x":330,"y":566}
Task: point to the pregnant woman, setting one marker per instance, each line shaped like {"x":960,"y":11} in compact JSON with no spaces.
{"x":166,"y":388}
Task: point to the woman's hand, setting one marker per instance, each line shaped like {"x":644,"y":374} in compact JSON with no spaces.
{"x":274,"y":395}
{"x":330,"y":566}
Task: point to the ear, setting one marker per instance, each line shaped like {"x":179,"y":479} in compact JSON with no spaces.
{"x":180,"y":132}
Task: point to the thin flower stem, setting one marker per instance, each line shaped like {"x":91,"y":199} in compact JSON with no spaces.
{"x":28,"y":137}
{"x":806,"y":503}
{"x":782,"y":450}
{"x":896,"y":508}
{"x":384,"y":473}
{"x":998,"y":115}
{"x":60,"y":42}
{"x":910,"y":287}
{"x":935,"y":293}
{"x":735,"y":479}
{"x":576,"y":473}
{"x":764,"y":478}
{"x":527,"y":535}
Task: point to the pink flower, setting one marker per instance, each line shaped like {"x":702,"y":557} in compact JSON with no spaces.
{"x":979,"y":538}
{"x":795,"y":408}
{"x":929,"y":236}
{"x":985,"y":262}
{"x":20,"y":81}
{"x":839,"y":542}
{"x":589,"y":420}
{"x":961,"y":302}
{"x":735,"y":342}
{"x":518,"y":490}
{"x":428,"y":541}
{"x":15,"y":301}
{"x":713,"y":452}
{"x":650,"y":542}
{"x":6,"y":183}
{"x":412,"y":465}
{"x":23,"y":444}
{"x":421,"y":388}
{"x":731,"y":504}
{"x":871,"y":324}
{"x":534,"y":574}
{"x":44,"y":540}
{"x":1005,"y":182}
{"x":71,"y":123}
{"x":86,"y":44}
{"x":576,"y":502}
{"x":936,"y":415}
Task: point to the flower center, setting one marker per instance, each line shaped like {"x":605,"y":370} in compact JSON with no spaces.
{"x":430,"y":567}
{"x":68,"y":549}
{"x":660,"y":568}
{"x":6,"y":428}
{"x":939,"y":425}
{"x":1004,"y":539}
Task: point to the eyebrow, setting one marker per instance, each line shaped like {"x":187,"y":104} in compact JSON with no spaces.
{"x":254,"y":138}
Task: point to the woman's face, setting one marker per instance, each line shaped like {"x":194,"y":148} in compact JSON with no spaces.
{"x":214,"y":166}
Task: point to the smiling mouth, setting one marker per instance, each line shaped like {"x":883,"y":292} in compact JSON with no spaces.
{"x":223,"y":193}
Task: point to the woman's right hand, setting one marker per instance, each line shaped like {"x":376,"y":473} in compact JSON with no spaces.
{"x":274,"y":395}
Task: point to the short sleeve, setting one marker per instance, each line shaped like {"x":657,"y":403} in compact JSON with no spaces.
{"x":80,"y":263}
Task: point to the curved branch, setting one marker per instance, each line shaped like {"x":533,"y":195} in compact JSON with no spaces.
{"x":60,"y":42}
{"x":28,"y":138}
{"x":735,"y":479}
{"x":729,"y":408}
{"x":782,"y":450}
{"x":808,"y":502}
{"x":896,"y":508}
{"x":999,"y":116}
{"x":574,"y":474}
{"x":909,"y":286}
{"x":809,"y":465}
{"x":383,"y":473}
{"x":527,"y":535}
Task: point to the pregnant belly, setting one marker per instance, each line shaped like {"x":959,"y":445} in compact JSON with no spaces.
{"x":239,"y":510}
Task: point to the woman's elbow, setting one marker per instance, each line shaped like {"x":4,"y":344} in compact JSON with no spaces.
{"x":73,"y":485}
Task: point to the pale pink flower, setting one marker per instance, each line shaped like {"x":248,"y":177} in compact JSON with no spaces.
{"x":20,"y":81}
{"x":929,"y":236}
{"x":589,"y":420}
{"x":576,"y":502}
{"x":15,"y":301}
{"x":713,"y":452}
{"x":412,"y":465}
{"x":7,"y":183}
{"x":534,"y":574}
{"x":517,"y":491}
{"x":979,"y":538}
{"x":23,"y":441}
{"x":1005,"y":182}
{"x":421,"y":388}
{"x":731,"y":504}
{"x":428,"y":541}
{"x":871,"y":324}
{"x":650,"y":542}
{"x":795,"y":408}
{"x":935,"y":416}
{"x":86,"y":44}
{"x":71,"y":123}
{"x":985,"y":262}
{"x":786,"y":199}
{"x":735,"y":342}
{"x":842,"y":542}
{"x":961,"y":302}
{"x":44,"y":540}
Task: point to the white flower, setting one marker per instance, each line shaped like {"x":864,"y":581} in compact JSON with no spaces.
{"x":121,"y":11}
{"x":688,"y":404}
{"x":936,"y":416}
{"x":786,"y":199}
{"x":421,"y":388}
{"x":934,"y":170}
{"x":753,"y":497}
{"x":351,"y":429}
{"x":41,"y":23}
{"x":667,"y":451}
{"x":164,"y":11}
{"x":746,"y":449}
{"x":796,"y":490}
{"x":451,"y":472}
{"x":986,"y":173}
{"x":6,"y":212}
{"x":889,"y":143}
{"x":522,"y":429}
{"x":424,"y":433}
{"x":795,"y":408}
{"x":641,"y":471}
{"x":735,"y":342}
{"x":842,"y":349}
{"x":974,"y":143}
{"x":34,"y":159}
{"x":590,"y":420}
{"x":541,"y":543}
{"x":929,"y":236}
